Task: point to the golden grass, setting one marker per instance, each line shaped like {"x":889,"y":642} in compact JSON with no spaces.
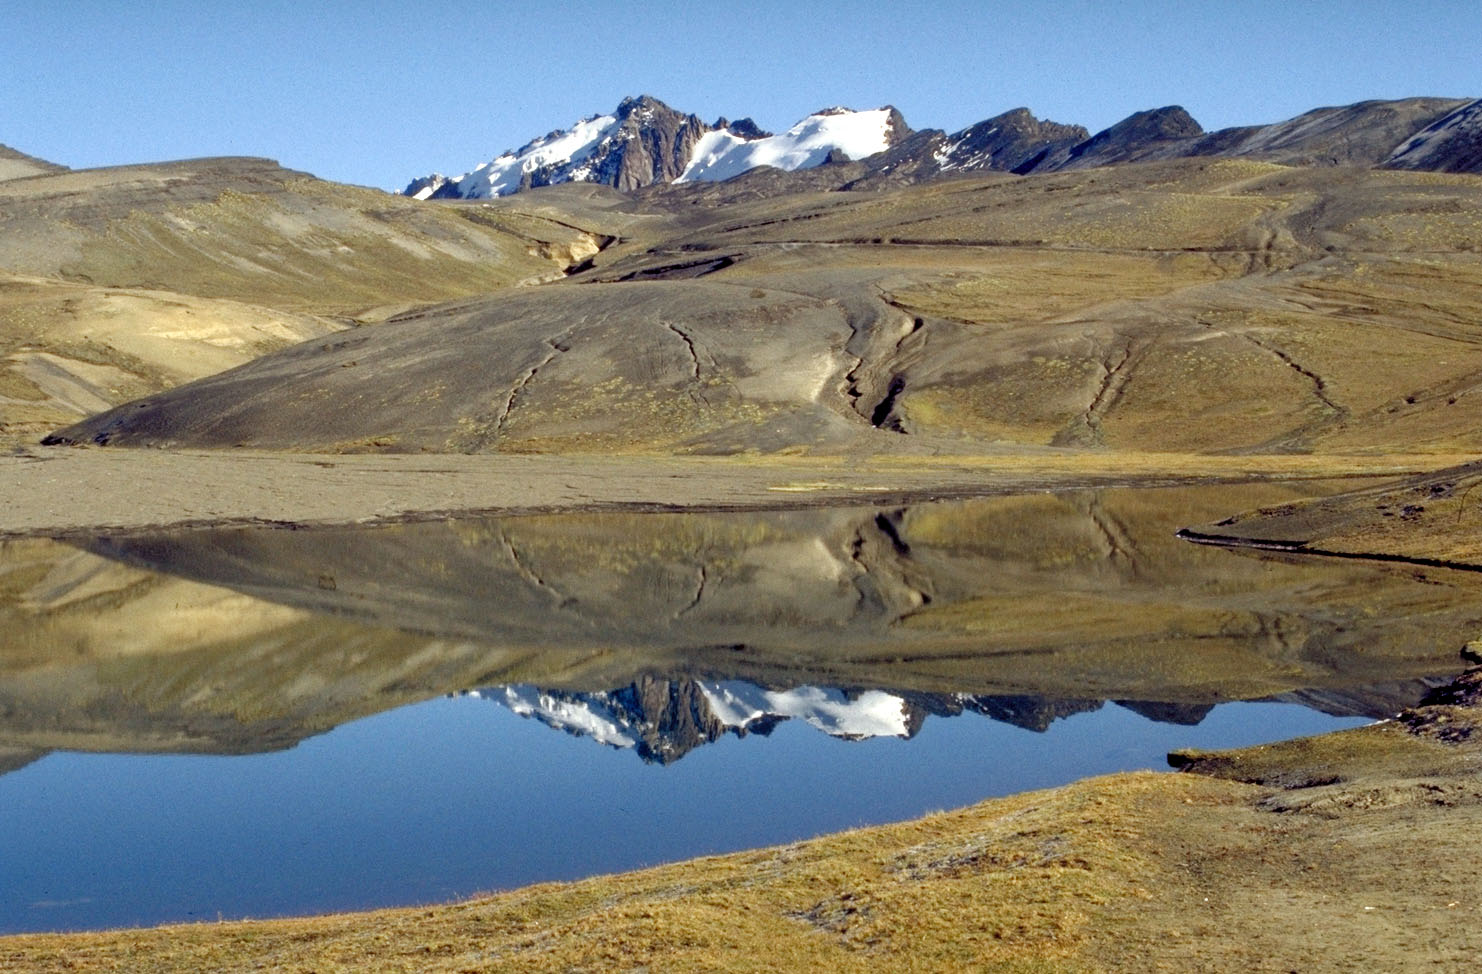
{"x":1010,"y":885}
{"x":1037,"y":285}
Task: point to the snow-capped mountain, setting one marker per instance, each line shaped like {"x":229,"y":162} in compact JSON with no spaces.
{"x":641,"y":142}
{"x":645,"y":141}
{"x":664,"y":720}
{"x":1450,"y":144}
{"x":834,"y":134}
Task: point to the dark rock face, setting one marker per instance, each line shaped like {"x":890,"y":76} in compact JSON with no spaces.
{"x":1452,"y":143}
{"x":1015,"y":141}
{"x":1183,"y":714}
{"x":672,"y":716}
{"x":1031,"y":713}
{"x":896,"y":129}
{"x":1159,"y":133}
{"x":743,"y":128}
{"x":653,"y":143}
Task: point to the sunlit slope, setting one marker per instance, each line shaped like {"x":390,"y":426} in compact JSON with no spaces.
{"x":1185,"y":306}
{"x":100,"y":656}
{"x":69,"y":350}
{"x":115,"y":283}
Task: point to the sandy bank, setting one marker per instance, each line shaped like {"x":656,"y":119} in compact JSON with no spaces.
{"x":70,"y":491}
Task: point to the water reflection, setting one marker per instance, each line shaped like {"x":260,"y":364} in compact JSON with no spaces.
{"x":455,"y":795}
{"x":842,"y":637}
{"x":240,"y":640}
{"x":663,"y":720}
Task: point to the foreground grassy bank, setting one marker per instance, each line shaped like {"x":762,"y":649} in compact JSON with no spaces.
{"x":1351,"y":851}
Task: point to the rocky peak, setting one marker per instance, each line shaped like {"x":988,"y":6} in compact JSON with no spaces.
{"x":1014,"y":141}
{"x":896,"y":129}
{"x":1155,"y":133}
{"x":652,"y":143}
{"x":742,"y":128}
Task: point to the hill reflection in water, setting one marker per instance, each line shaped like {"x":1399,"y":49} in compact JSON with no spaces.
{"x":240,"y":640}
{"x":841,"y":636}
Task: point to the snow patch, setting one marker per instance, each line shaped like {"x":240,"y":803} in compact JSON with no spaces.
{"x":873,"y":713}
{"x":720,"y":155}
{"x":584,"y":718}
{"x":501,"y":175}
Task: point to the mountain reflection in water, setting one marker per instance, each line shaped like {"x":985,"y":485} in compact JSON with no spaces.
{"x":663,"y":720}
{"x":1079,"y":596}
{"x":348,"y":653}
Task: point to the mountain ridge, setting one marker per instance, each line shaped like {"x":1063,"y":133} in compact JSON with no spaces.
{"x":645,"y":143}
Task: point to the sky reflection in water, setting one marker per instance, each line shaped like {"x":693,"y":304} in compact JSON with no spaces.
{"x":457,"y":795}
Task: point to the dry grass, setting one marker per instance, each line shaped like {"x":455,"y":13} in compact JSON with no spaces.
{"x":1009,"y":885}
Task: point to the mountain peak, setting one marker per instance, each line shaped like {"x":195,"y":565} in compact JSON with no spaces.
{"x":1141,"y":135}
{"x":1014,"y":141}
{"x":644,"y":141}
{"x":832,"y":134}
{"x":632,"y":104}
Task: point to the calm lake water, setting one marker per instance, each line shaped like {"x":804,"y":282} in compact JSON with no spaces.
{"x":263,"y":722}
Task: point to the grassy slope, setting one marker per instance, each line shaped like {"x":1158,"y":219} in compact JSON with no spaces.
{"x":1199,"y":307}
{"x":118,"y":283}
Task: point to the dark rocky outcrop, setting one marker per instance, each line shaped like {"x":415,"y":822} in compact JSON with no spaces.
{"x":1452,"y":143}
{"x":742,"y":128}
{"x":1159,"y":133}
{"x":652,"y":143}
{"x":1015,"y":141}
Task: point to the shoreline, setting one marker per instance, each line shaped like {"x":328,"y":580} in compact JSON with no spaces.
{"x":1254,"y":859}
{"x":71,"y":491}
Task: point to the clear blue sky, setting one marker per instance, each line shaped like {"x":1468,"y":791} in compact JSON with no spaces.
{"x":382,"y":91}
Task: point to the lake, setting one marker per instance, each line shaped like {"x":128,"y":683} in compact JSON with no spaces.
{"x":255,"y":722}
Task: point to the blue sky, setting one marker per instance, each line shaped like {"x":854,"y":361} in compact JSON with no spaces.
{"x":384,"y":90}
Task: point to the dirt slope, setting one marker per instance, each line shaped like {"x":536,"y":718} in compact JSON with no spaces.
{"x":1185,"y":306}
